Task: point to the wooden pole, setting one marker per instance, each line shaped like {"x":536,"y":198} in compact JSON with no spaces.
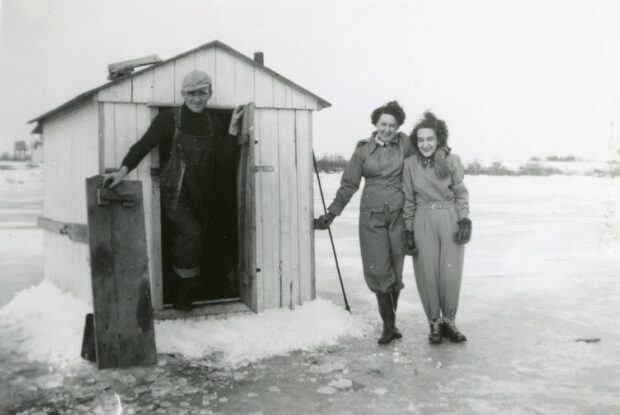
{"x":331,"y":238}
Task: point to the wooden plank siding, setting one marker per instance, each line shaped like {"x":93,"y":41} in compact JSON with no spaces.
{"x":263,"y":89}
{"x":205,"y":61}
{"x":118,"y":92}
{"x":142,"y":87}
{"x":244,"y":83}
{"x":255,"y":131}
{"x":286,"y":141}
{"x":305,"y":194}
{"x":125,"y":134}
{"x":235,"y":82}
{"x":268,"y":197}
{"x":163,"y":83}
{"x":285,"y":245}
{"x":71,"y":154}
{"x":299,"y":100}
{"x":224,"y":79}
{"x":152,"y":214}
{"x":108,"y":140}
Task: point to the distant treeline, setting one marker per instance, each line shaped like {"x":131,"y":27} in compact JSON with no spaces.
{"x":335,"y":163}
{"x":533,"y":168}
{"x":497,"y":169}
{"x":555,"y":158}
{"x":331,"y":163}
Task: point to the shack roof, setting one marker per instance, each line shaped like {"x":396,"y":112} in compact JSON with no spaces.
{"x":216,"y":43}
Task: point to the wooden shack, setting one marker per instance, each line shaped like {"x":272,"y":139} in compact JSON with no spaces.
{"x":92,"y":133}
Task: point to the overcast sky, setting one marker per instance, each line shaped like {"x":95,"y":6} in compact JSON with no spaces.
{"x":511,"y":79}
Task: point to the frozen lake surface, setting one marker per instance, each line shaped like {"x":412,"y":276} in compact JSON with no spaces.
{"x":541,"y":274}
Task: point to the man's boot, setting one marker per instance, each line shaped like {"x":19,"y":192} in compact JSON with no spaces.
{"x":386,"y":310}
{"x":182,"y":300}
{"x":395,"y":295}
{"x":434,"y":337}
{"x":449,"y":330}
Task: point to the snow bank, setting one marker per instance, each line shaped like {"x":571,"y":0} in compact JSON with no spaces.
{"x":46,"y":324}
{"x":240,"y":340}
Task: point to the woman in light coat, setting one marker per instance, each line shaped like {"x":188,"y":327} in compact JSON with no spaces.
{"x":437,"y":226}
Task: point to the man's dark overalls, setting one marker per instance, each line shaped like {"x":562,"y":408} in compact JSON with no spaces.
{"x":190,"y":184}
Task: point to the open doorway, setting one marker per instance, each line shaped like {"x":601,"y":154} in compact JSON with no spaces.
{"x":218,"y":280}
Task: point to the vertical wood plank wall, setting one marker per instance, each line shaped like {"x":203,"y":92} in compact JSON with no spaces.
{"x":284,"y":207}
{"x":305,"y":195}
{"x":71,"y":154}
{"x":235,"y":82}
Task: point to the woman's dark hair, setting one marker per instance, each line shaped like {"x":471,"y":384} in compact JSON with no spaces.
{"x":432,"y":122}
{"x":392,"y":108}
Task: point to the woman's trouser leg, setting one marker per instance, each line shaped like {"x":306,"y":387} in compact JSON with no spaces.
{"x":450,"y":267}
{"x":381,"y":246}
{"x":426,"y":263}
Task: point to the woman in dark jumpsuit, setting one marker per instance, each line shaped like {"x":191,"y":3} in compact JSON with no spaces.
{"x":379,"y":160}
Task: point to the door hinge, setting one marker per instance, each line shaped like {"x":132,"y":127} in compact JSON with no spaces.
{"x":263,"y":169}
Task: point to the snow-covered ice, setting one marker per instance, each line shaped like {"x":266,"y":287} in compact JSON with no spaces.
{"x":541,"y":274}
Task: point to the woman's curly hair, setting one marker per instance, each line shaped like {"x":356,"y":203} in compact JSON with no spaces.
{"x":434,"y":123}
{"x":392,"y":108}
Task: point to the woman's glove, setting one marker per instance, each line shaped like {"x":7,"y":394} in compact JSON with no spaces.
{"x":441,"y":165}
{"x":463,"y":235}
{"x":324,"y":221}
{"x":410,"y":248}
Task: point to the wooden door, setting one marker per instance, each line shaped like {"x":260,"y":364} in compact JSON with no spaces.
{"x":246,"y":211}
{"x":124,"y":334}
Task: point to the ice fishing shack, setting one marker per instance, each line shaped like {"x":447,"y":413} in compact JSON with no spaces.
{"x":273,"y":186}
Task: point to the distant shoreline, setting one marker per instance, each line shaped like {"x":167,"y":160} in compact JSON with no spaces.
{"x":535,"y":166}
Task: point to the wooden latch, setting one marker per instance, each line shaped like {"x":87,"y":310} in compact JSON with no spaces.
{"x":105,"y":196}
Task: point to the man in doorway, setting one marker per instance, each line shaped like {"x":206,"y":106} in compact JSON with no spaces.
{"x":194,"y":147}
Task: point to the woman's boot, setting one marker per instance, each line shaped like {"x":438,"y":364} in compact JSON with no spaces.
{"x":395,"y":295}
{"x":449,"y":330}
{"x":386,"y":310}
{"x":434,"y":336}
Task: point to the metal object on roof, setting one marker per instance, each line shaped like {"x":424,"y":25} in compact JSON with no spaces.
{"x":120,"y":69}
